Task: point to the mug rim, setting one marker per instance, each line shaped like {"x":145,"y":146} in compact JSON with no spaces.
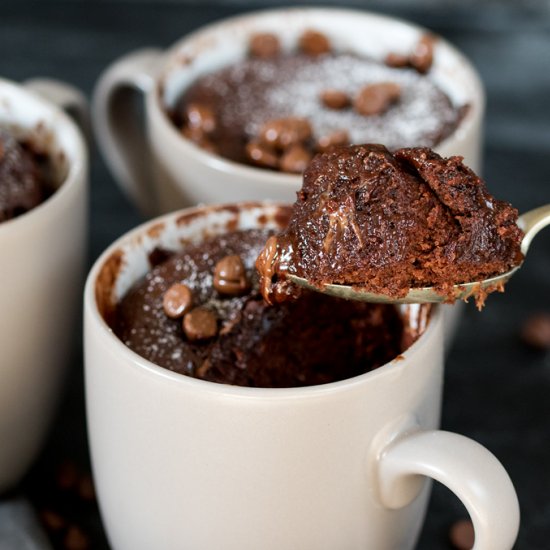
{"x":77,"y":163}
{"x":224,"y":165}
{"x":95,"y":321}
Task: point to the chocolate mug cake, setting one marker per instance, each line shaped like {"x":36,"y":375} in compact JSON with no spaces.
{"x":26,"y":175}
{"x":199,"y":312}
{"x":275,"y":109}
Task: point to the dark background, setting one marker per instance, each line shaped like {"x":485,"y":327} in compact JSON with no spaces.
{"x":497,"y":391}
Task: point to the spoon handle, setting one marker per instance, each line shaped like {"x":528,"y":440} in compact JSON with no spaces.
{"x":532,"y":222}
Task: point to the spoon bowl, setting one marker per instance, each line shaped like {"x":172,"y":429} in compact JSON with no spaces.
{"x":531,"y":223}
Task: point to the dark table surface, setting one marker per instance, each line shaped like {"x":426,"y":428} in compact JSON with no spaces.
{"x":497,"y":391}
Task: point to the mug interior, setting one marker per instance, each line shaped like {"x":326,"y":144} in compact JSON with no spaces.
{"x":127,"y":261}
{"x":25,"y":115}
{"x":365,"y":34}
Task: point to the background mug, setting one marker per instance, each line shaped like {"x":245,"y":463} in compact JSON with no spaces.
{"x":184,"y":463}
{"x":160,"y":170}
{"x":43,"y":254}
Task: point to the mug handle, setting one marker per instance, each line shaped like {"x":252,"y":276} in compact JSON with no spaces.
{"x":466,"y":468}
{"x":66,"y":97}
{"x":118,"y":126}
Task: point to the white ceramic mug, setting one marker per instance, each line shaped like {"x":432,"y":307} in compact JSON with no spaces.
{"x":184,"y":463}
{"x":161,"y":170}
{"x":42,"y":262}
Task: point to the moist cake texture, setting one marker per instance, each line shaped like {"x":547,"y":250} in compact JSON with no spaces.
{"x":312,"y":340}
{"x":389,"y":222}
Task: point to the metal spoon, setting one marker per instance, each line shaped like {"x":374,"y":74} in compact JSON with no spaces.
{"x":531,"y":222}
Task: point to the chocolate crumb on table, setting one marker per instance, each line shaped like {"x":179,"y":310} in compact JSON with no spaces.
{"x":535,"y":332}
{"x":461,"y":535}
{"x":257,"y":109}
{"x":62,"y":497}
{"x":390,"y":222}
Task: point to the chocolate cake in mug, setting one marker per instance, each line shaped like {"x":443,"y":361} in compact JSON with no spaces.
{"x":178,"y":161}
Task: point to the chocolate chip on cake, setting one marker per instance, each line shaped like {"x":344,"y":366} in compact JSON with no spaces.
{"x":261,"y":155}
{"x":200,"y":324}
{"x":295,"y":159}
{"x":264,"y":45}
{"x":397,"y":60}
{"x":536,"y":331}
{"x":338,"y":137}
{"x":284,"y":132}
{"x":200,"y":117}
{"x":462,"y":535}
{"x":422,"y":56}
{"x":335,"y":99}
{"x":177,"y":300}
{"x":314,"y":43}
{"x":376,"y":99}
{"x":230,"y":276}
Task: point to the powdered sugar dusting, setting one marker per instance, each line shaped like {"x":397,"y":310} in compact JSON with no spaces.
{"x":161,"y":339}
{"x":253,"y":91}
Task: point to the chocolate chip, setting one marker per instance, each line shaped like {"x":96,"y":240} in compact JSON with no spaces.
{"x":397,"y":60}
{"x":75,"y":539}
{"x":52,"y":521}
{"x":200,"y":117}
{"x":282,"y":133}
{"x":264,"y":45}
{"x":338,"y":137}
{"x":261,"y":155}
{"x":193,"y":133}
{"x":199,"y":137}
{"x":295,"y":159}
{"x":462,"y":534}
{"x":375,"y":99}
{"x":200,"y":324}
{"x":536,"y":331}
{"x":177,"y":300}
{"x":314,"y":43}
{"x":422,"y":56}
{"x":335,"y":99}
{"x":230,"y":276}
